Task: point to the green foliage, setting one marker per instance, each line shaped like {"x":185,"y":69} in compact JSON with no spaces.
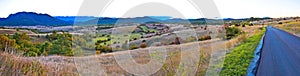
{"x":45,"y":48}
{"x":256,"y":19}
{"x":133,"y":46}
{"x":135,"y":36}
{"x":232,"y":32}
{"x":103,"y":48}
{"x":238,"y":60}
{"x":30,"y":53}
{"x":61,"y":44}
{"x":29,"y":48}
{"x":202,"y":38}
{"x":146,"y":29}
{"x":103,"y":41}
{"x":7,"y":43}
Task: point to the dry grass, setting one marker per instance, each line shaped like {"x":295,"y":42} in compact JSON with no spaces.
{"x":13,"y":31}
{"x":11,"y":65}
{"x":291,"y":27}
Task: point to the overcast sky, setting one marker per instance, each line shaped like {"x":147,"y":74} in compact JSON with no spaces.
{"x":227,"y":8}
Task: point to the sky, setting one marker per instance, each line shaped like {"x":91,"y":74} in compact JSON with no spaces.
{"x":226,"y":8}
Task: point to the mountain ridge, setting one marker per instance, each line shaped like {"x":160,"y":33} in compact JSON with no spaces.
{"x":30,"y":19}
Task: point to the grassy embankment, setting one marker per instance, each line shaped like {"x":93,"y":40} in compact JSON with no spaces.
{"x":291,"y":27}
{"x":237,"y":61}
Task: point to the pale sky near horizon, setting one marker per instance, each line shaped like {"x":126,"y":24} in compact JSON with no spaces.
{"x":227,"y":8}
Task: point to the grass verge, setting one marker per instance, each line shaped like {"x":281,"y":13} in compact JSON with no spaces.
{"x":238,"y":60}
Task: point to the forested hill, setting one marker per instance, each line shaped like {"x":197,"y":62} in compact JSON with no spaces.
{"x":31,"y":19}
{"x":1,"y":19}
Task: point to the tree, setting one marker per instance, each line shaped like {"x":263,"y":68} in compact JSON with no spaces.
{"x":177,"y":41}
{"x":53,"y":36}
{"x":62,"y":46}
{"x":46,"y":47}
{"x":23,"y":41}
{"x":7,"y":44}
{"x":143,"y":44}
{"x":250,"y":24}
{"x":21,"y":38}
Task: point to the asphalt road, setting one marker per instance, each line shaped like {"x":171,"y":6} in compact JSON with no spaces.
{"x":280,"y":55}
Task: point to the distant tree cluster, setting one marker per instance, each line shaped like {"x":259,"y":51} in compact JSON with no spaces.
{"x":58,"y":44}
{"x":232,"y":32}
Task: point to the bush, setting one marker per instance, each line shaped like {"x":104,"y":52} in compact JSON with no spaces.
{"x":232,"y":32}
{"x":204,"y":38}
{"x":133,"y":46}
{"x":143,"y":45}
{"x":103,"y":48}
{"x":30,"y":53}
{"x":177,"y":41}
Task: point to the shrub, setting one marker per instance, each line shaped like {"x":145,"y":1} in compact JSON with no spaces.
{"x":177,"y":40}
{"x":103,"y":48}
{"x":204,"y":38}
{"x":143,"y":45}
{"x":133,"y":46}
{"x":232,"y":32}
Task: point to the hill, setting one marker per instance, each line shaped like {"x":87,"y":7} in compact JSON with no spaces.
{"x":108,"y":20}
{"x":73,"y":18}
{"x":145,"y":19}
{"x":1,"y":19}
{"x":31,"y":19}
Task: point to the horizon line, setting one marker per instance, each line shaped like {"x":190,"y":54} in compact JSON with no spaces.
{"x":144,"y":16}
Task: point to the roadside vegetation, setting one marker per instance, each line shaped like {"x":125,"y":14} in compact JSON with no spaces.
{"x":238,"y":59}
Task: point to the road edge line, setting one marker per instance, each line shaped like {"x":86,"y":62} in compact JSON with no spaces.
{"x":255,"y":61}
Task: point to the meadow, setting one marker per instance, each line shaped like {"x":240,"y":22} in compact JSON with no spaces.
{"x":64,"y":65}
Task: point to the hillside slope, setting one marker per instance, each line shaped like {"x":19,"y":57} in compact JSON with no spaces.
{"x":31,"y":19}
